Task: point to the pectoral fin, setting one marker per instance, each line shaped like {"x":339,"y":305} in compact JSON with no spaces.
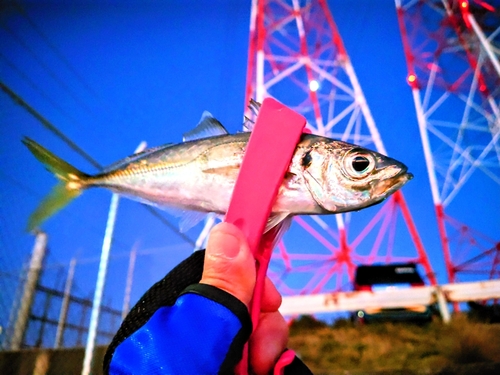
{"x":190,"y":219}
{"x":275,"y":219}
{"x":230,"y":171}
{"x":283,"y":226}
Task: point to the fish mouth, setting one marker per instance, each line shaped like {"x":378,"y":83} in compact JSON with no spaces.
{"x":389,"y":186}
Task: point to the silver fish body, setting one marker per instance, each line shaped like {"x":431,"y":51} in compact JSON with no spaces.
{"x":325,"y":176}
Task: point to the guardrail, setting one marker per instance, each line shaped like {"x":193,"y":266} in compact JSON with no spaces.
{"x":392,"y":298}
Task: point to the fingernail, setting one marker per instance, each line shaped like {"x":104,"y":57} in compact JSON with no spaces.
{"x":223,"y":245}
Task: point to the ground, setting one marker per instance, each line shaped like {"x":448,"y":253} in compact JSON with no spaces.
{"x":462,"y":347}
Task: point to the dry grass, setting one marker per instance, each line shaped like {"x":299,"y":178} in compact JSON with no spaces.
{"x":396,"y":348}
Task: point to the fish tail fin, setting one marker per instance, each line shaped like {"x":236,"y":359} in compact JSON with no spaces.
{"x":71,"y":185}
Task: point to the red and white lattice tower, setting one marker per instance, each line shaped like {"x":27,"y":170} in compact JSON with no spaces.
{"x":454,"y":74}
{"x":297,"y":56}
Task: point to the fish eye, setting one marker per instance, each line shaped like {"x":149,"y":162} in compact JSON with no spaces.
{"x":358,"y":164}
{"x":306,"y":159}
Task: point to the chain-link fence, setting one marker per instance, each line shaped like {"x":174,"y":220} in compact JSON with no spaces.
{"x":46,"y":308}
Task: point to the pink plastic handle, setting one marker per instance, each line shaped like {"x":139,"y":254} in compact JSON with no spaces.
{"x":286,"y":358}
{"x":267,"y":157}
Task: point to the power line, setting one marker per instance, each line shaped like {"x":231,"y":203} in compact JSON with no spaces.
{"x":52,"y":74}
{"x":46,"y":123}
{"x":49,"y":71}
{"x":55,"y":50}
{"x":90,"y":226}
{"x":18,"y":100}
{"x":35,"y":87}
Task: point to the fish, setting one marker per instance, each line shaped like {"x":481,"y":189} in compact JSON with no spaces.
{"x":325,"y":176}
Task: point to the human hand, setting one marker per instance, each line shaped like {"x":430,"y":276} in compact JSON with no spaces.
{"x":230,"y":266}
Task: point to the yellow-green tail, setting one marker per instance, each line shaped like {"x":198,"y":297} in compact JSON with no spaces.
{"x":70,"y":187}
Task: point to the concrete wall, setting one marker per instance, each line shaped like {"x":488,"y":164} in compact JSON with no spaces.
{"x":48,"y":361}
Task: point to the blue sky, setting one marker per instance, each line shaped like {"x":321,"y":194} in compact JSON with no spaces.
{"x":110,"y":75}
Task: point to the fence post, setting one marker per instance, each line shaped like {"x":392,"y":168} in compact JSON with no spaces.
{"x":65,"y":304}
{"x":442,"y":304}
{"x":101,"y":279}
{"x":99,"y":288}
{"x":30,"y":284}
{"x":130,"y":277}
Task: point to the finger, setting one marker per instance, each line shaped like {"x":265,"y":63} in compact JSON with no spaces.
{"x":229,"y":265}
{"x":271,"y":299}
{"x":267,"y":342}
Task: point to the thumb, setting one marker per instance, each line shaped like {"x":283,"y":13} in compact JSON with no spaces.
{"x":229,"y":265}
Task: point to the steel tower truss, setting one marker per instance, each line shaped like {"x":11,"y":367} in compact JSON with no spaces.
{"x":452,"y":49}
{"x":297,"y":56}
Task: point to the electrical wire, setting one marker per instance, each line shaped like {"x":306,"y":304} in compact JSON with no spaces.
{"x":54,"y":49}
{"x":49,"y":71}
{"x":52,"y":128}
{"x":116,"y":242}
{"x":47,"y":124}
{"x":35,"y":87}
{"x":64,"y":61}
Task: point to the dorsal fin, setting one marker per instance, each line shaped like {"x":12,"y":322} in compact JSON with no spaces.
{"x":254,"y":106}
{"x":249,"y":122}
{"x":207,"y":127}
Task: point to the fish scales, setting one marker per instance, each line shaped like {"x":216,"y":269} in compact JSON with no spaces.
{"x":325,"y":176}
{"x":182,"y":173}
